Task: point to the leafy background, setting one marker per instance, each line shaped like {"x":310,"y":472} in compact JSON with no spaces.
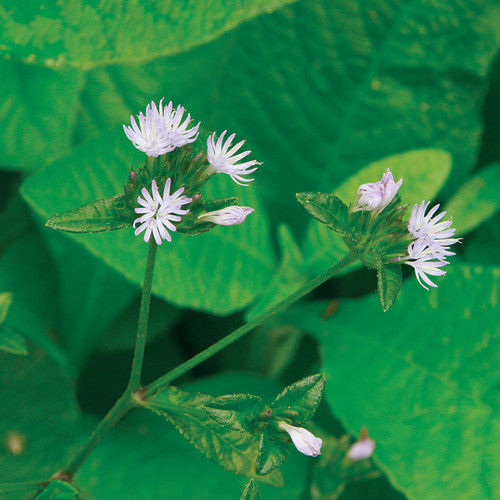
{"x":328,"y":94}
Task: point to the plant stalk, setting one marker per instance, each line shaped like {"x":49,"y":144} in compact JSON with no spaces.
{"x":166,"y":379}
{"x":127,"y":401}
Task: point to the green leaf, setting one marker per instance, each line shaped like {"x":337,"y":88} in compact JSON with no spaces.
{"x":107,"y":214}
{"x":476,"y":201}
{"x":26,"y":271}
{"x":58,"y":490}
{"x":233,"y":450}
{"x":235,"y":411}
{"x":91,"y":295}
{"x":11,"y":341}
{"x":251,"y":491}
{"x":185,"y":268}
{"x":41,"y":110}
{"x":390,"y":280}
{"x":272,"y":453}
{"x":121,"y":333}
{"x":84,"y":35}
{"x":301,"y":398}
{"x":5,"y":302}
{"x":427,"y":368}
{"x":374,"y":87}
{"x":423,"y":173}
{"x":38,"y":422}
{"x":327,"y":209}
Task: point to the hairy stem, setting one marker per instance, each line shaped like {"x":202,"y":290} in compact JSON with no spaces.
{"x":127,"y":401}
{"x":166,"y":379}
{"x":142,"y":327}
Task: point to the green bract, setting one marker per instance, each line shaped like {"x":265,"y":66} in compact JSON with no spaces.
{"x":378,"y":240}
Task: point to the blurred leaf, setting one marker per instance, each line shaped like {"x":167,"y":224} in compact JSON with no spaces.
{"x":427,"y":368}
{"x":390,"y":280}
{"x":20,"y":490}
{"x":10,"y":341}
{"x":106,"y":214}
{"x":144,"y":458}
{"x":333,"y":473}
{"x":211,"y":271}
{"x":356,"y":82}
{"x":302,"y":397}
{"x":40,"y":105}
{"x":423,"y":172}
{"x":27,"y":272}
{"x":287,"y":279}
{"x":121,"y":333}
{"x":91,"y":296}
{"x":476,"y":201}
{"x":251,"y":491}
{"x":233,"y":450}
{"x":482,"y":246}
{"x":58,"y":490}
{"x":83,"y":35}
{"x":38,"y":418}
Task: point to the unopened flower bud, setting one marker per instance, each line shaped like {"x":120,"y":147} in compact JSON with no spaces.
{"x":375,"y":196}
{"x":363,"y":448}
{"x":306,"y":442}
{"x":228,"y":216}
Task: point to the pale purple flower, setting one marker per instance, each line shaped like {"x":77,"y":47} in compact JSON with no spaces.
{"x":224,"y":160}
{"x":427,"y":254}
{"x":178,"y":133}
{"x":160,"y":131}
{"x":375,"y":196}
{"x":151,"y":136}
{"x":306,"y":442}
{"x":361,"y":449}
{"x":159,"y":212}
{"x":228,"y":216}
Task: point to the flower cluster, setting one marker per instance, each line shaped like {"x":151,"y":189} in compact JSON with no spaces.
{"x":427,"y":254}
{"x":165,"y":130}
{"x":431,"y":236}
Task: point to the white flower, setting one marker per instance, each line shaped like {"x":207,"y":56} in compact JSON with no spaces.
{"x":159,"y":212}
{"x":228,"y":216}
{"x":363,"y":448}
{"x":223,"y":160}
{"x":306,"y":442}
{"x":422,"y":225}
{"x":427,"y":254}
{"x":178,"y":134}
{"x":160,"y":131}
{"x":375,"y":196}
{"x":151,"y":136}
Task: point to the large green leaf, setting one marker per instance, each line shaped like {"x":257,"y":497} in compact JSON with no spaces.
{"x":234,"y":450}
{"x":38,"y":421}
{"x":84,"y":35}
{"x":40,"y":107}
{"x":357,"y":80}
{"x":91,"y":295}
{"x":211,"y":271}
{"x":476,"y":201}
{"x":423,"y":173}
{"x":423,"y":378}
{"x":146,"y":458}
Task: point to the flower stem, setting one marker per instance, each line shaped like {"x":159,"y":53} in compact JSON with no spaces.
{"x":127,"y":401}
{"x":121,"y":407}
{"x":140,"y":343}
{"x":166,"y":379}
